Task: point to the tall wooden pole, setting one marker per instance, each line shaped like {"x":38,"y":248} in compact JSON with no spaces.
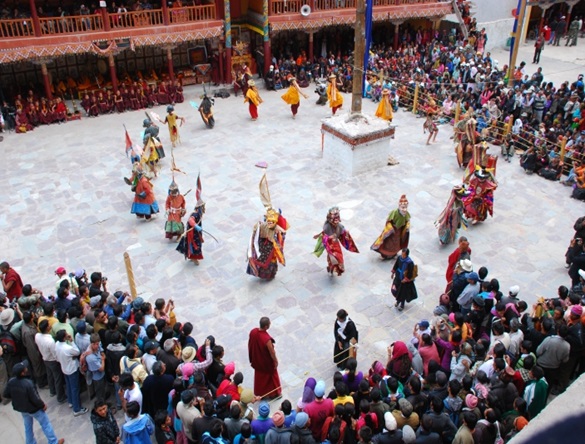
{"x":130,"y":274}
{"x":358,"y":57}
{"x":516,"y":38}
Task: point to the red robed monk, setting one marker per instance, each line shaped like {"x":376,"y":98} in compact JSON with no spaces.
{"x":264,"y":361}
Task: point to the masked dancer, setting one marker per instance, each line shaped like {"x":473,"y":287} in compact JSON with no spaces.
{"x":331,"y":239}
{"x":396,"y":233}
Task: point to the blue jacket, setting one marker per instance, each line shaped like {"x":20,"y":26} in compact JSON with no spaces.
{"x":138,"y":430}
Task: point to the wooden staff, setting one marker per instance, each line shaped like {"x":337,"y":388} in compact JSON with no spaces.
{"x":130,"y":274}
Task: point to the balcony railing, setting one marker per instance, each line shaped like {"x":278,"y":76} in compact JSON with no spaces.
{"x":192,"y":14}
{"x":137,"y":19}
{"x":71,"y":24}
{"x":16,"y":28}
{"x":278,"y":7}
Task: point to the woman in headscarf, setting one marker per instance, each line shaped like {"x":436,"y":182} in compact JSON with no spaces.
{"x":308,"y":394}
{"x":399,"y":361}
{"x":403,"y":274}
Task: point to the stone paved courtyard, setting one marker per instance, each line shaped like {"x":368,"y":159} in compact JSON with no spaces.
{"x":65,"y":204}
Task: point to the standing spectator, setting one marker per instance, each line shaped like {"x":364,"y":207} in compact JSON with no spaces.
{"x":26,"y":400}
{"x":278,"y":433}
{"x":155,"y":389}
{"x":536,"y":392}
{"x":465,"y":433}
{"x":559,"y":31}
{"x":538,"y":47}
{"x":28,"y":334}
{"x":264,"y":361}
{"x":67,"y":353}
{"x":105,"y":427}
{"x":132,"y":364}
{"x":11,"y":282}
{"x":96,"y":364}
{"x":46,"y":346}
{"x":552,"y":353}
{"x":164,"y":433}
{"x":188,"y":413}
{"x":319,"y":410}
{"x":346,"y":336}
{"x":404,"y":273}
{"x":138,"y":428}
{"x":129,"y":392}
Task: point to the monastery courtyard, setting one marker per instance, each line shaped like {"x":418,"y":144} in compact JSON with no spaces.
{"x":65,"y":203}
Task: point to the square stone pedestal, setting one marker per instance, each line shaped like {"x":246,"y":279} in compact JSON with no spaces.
{"x":356,"y":144}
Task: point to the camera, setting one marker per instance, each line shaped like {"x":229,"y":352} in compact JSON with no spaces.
{"x":104,"y":279}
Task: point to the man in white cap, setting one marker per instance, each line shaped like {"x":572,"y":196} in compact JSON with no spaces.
{"x":512,"y":295}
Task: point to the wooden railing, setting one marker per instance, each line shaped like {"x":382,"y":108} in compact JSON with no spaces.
{"x":191,"y":14}
{"x":278,"y":7}
{"x":16,"y":28}
{"x":137,"y":19}
{"x":71,"y":24}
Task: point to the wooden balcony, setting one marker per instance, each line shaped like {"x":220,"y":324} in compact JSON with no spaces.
{"x":24,"y":38}
{"x":286,"y":14}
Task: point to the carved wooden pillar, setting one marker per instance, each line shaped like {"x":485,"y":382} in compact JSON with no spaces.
{"x":221,"y":54}
{"x":170,"y":63}
{"x":311,"y":50}
{"x":165,"y":11}
{"x":396,"y":24}
{"x":113,"y":75}
{"x":35,"y":18}
{"x":105,"y":18}
{"x":46,"y":81}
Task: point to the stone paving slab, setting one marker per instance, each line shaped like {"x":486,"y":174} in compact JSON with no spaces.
{"x":65,"y":203}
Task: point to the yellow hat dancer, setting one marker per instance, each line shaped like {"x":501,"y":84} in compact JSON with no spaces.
{"x":384,"y":110}
{"x":293,"y":95}
{"x":253,"y":99}
{"x":333,"y":95}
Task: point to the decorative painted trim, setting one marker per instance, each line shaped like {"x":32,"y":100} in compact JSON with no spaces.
{"x":36,"y":52}
{"x":402,"y":14}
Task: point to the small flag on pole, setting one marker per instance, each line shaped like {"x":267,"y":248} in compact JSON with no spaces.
{"x":128,"y":142}
{"x":198,"y":188}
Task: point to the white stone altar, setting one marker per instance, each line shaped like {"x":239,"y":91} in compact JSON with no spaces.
{"x":356,"y":144}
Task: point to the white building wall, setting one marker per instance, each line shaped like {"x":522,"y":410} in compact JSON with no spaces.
{"x":496,"y":17}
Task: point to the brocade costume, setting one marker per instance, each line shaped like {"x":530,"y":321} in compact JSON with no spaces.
{"x":331,"y":239}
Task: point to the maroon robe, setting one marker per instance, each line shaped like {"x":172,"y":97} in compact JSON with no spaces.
{"x":266,"y":379}
{"x":119,"y":102}
{"x":162,"y":96}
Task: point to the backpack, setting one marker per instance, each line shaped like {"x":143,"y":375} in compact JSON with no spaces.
{"x":414,"y":272}
{"x":128,"y":370}
{"x":8,"y":343}
{"x":499,"y":439}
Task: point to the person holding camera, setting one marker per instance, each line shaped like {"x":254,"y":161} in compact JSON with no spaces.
{"x":575,"y":256}
{"x":98,"y":284}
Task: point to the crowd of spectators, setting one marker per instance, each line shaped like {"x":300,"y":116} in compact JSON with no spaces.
{"x":480,"y":368}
